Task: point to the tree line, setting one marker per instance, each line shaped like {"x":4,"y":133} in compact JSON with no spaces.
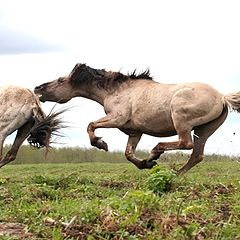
{"x":30,"y":155}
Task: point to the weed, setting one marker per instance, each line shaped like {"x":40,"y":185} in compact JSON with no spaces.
{"x":160,"y":180}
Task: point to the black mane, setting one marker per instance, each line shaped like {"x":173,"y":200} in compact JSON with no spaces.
{"x":81,"y":73}
{"x":143,"y":75}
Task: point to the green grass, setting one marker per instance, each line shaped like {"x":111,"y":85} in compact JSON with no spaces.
{"x":118,"y":201}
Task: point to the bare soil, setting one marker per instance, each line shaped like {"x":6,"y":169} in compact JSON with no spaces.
{"x":15,"y":230}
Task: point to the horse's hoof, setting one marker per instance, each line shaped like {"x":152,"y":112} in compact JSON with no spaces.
{"x":102,"y":145}
{"x":99,"y":143}
{"x":151,"y":164}
{"x":145,"y":164}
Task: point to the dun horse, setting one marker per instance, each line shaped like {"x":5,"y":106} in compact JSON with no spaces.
{"x":137,"y":105}
{"x":20,"y":110}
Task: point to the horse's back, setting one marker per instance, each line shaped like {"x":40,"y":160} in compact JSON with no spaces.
{"x":16,"y":107}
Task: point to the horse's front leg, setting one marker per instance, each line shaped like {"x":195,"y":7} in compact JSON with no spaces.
{"x":109,"y":121}
{"x":133,"y":140}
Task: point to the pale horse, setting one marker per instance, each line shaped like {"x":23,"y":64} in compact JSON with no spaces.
{"x":136,"y":104}
{"x":20,"y":110}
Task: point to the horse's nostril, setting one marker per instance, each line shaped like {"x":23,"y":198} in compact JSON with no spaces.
{"x":38,"y":88}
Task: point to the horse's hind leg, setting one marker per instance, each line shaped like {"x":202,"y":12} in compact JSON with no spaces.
{"x":22,"y":134}
{"x":183,"y":125}
{"x":197,"y":153}
{"x":184,"y":143}
{"x":201,"y":134}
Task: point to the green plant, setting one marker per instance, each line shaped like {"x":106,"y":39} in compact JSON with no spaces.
{"x":160,"y":180}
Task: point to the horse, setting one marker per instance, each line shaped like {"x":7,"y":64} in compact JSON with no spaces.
{"x":136,"y":104}
{"x":20,"y":110}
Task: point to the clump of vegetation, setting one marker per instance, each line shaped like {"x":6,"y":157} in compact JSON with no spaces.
{"x":160,"y":180}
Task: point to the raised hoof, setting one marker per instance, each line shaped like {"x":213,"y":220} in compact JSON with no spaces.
{"x":151,"y":164}
{"x":100,"y":144}
{"x":145,"y":164}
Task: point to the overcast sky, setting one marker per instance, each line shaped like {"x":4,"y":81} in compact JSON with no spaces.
{"x":178,"y":40}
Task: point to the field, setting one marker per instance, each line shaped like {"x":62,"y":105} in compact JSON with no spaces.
{"x":117,"y":201}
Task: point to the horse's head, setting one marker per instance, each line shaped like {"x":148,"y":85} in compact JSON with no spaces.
{"x":65,"y":88}
{"x":55,"y":91}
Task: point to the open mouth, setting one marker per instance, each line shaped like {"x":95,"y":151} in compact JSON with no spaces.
{"x":40,"y":97}
{"x":51,"y":98}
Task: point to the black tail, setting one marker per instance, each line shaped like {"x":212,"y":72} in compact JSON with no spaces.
{"x":43,"y":130}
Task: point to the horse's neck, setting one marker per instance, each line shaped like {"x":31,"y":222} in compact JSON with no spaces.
{"x":93,"y":93}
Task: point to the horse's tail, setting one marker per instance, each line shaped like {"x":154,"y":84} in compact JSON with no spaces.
{"x":45,"y":127}
{"x":232,"y":100}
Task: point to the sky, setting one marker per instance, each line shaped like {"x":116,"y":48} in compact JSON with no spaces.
{"x":179,"y":41}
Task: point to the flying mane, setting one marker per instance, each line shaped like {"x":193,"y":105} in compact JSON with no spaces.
{"x":82,"y":73}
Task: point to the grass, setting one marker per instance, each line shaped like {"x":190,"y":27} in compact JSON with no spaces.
{"x":118,"y":201}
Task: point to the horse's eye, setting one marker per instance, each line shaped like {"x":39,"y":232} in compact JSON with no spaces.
{"x":60,"y":80}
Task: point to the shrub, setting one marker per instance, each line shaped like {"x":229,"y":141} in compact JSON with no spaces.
{"x":160,"y":180}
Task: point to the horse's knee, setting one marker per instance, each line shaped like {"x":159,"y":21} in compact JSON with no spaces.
{"x":129,"y":153}
{"x":90,"y":127}
{"x":129,"y":157}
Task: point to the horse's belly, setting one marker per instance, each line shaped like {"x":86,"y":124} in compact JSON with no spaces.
{"x":163,"y":133}
{"x":159,"y":126}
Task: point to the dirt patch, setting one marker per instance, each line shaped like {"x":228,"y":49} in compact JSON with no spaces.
{"x":15,"y":230}
{"x":115,"y":184}
{"x":221,"y":190}
{"x":78,"y":231}
{"x":194,"y":194}
{"x":136,"y":229}
{"x":70,"y":229}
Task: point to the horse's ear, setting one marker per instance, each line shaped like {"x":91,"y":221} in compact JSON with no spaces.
{"x":77,"y":71}
{"x":80,"y":73}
